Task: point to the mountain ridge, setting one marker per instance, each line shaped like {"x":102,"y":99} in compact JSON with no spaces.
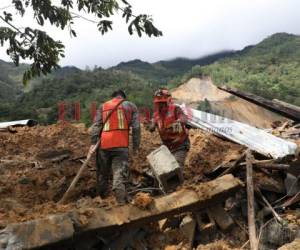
{"x":270,"y":68}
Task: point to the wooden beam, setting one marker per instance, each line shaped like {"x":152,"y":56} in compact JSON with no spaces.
{"x":250,"y":198}
{"x":269,"y":166}
{"x":274,"y":106}
{"x":288,"y":105}
{"x":273,"y":166}
{"x":99,"y":221}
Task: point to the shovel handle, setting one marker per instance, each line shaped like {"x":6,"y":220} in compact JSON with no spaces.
{"x":75,"y":180}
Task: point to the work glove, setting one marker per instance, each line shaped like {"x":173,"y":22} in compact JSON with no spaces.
{"x":188,"y":126}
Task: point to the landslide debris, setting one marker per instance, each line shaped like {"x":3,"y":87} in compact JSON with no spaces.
{"x":38,"y":164}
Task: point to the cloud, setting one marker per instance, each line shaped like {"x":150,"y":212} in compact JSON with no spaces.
{"x":191,"y":28}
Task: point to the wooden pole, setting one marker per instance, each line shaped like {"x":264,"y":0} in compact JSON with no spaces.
{"x":250,"y":197}
{"x":276,"y":215}
{"x":75,"y":180}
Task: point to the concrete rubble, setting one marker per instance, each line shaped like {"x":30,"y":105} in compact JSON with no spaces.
{"x":165,"y":168}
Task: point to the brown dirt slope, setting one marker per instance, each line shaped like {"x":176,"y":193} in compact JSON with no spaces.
{"x":197,"y":90}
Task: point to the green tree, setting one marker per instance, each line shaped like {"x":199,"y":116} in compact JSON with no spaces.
{"x":204,"y":106}
{"x":42,"y":49}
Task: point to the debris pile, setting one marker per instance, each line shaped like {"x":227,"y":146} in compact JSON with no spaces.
{"x":209,"y":211}
{"x":286,"y":129}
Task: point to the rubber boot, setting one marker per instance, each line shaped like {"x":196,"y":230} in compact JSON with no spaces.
{"x":102,"y":188}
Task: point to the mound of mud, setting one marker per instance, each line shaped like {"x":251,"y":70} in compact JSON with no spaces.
{"x":38,"y":164}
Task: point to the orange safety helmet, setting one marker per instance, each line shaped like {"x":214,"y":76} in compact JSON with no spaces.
{"x":162,"y":95}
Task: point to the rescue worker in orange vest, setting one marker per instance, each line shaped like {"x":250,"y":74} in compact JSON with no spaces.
{"x":171,"y":123}
{"x":112,"y":156}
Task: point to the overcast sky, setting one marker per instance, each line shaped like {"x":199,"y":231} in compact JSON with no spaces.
{"x":191,"y":28}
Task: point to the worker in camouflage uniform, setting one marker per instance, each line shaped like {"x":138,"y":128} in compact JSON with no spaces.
{"x":172,"y":125}
{"x":112,"y":155}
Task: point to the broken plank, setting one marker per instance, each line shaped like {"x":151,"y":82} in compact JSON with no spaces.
{"x":273,"y":166}
{"x":274,"y":106}
{"x":267,"y":164}
{"x":234,"y":165}
{"x":101,"y":220}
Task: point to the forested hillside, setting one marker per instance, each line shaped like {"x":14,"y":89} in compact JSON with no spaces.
{"x":84,"y":86}
{"x":139,"y":79}
{"x":164,"y":71}
{"x":270,"y":69}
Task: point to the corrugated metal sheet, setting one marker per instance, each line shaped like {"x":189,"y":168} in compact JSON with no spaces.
{"x":29,"y":123}
{"x":256,"y":139}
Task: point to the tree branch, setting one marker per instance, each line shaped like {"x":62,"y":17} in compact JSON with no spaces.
{"x":80,"y":16}
{"x":15,"y":28}
{"x":6,"y":7}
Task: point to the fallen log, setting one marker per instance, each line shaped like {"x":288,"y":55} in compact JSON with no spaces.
{"x":274,"y":106}
{"x":287,"y":105}
{"x":67,"y":228}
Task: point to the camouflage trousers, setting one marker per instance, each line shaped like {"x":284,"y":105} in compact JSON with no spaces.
{"x":180,"y":155}
{"x":113,"y":162}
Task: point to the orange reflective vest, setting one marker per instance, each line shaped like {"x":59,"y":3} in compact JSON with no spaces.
{"x":115,"y":132}
{"x":172,"y":136}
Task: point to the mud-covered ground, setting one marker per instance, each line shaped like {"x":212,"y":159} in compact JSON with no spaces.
{"x":38,"y":164}
{"x":33,"y":177}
